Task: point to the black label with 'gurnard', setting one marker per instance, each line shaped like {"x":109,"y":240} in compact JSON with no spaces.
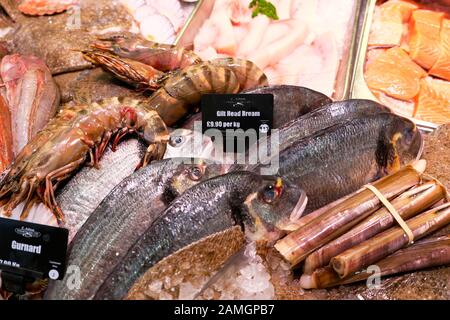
{"x":32,"y":250}
{"x":233,"y":113}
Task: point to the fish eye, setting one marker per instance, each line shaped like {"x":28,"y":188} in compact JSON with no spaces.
{"x":176,"y":141}
{"x":195,"y":173}
{"x":270,"y":194}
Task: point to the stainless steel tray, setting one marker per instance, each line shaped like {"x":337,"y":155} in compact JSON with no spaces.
{"x":358,"y":87}
{"x":344,"y":77}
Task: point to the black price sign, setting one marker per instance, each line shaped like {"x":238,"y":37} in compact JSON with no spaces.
{"x":231,"y":112}
{"x":33,"y":249}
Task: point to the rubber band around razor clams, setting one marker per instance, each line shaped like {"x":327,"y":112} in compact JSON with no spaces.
{"x":393,"y":212}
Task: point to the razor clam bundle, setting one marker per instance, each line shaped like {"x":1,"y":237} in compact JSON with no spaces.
{"x":334,"y":245}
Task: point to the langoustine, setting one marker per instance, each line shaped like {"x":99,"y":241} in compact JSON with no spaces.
{"x":32,"y":95}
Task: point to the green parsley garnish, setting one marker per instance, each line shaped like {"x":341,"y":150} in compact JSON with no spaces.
{"x":263,"y":7}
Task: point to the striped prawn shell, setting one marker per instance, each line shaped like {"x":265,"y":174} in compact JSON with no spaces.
{"x":76,"y":134}
{"x":184,"y":89}
{"x":164,"y":57}
{"x":249,"y":74}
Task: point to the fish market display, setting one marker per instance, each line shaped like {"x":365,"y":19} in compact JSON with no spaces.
{"x":101,"y":114}
{"x":204,"y":210}
{"x":76,"y":134}
{"x":159,"y":20}
{"x":32,"y":96}
{"x":407,"y":65}
{"x":292,"y":46}
{"x":6,"y":140}
{"x":338,"y":160}
{"x":123,"y":217}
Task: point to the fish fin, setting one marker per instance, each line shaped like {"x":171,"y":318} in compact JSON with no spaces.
{"x":387,"y":155}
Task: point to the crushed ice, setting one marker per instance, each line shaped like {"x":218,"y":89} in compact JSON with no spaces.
{"x":245,"y":277}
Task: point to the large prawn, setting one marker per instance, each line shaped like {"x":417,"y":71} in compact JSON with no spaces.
{"x":138,"y":61}
{"x":82,"y":133}
{"x":147,"y":77}
{"x":163,"y":57}
{"x":76,"y":133}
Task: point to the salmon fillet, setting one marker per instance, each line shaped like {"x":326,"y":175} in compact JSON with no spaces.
{"x":433,"y":103}
{"x":401,"y":107}
{"x":394,"y":73}
{"x":424,"y":41}
{"x":389,"y":23}
{"x":441,"y":68}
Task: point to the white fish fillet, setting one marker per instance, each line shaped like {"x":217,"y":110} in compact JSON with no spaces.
{"x":171,"y":9}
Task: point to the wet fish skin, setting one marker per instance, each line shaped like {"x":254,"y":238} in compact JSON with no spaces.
{"x":306,"y":125}
{"x":89,"y":186}
{"x":312,"y":122}
{"x":32,"y":95}
{"x":123,"y":216}
{"x":338,"y":160}
{"x":207,"y":208}
{"x":290,"y":102}
{"x":327,"y":116}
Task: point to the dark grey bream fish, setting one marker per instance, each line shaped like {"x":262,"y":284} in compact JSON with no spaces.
{"x":263,"y":206}
{"x":312,"y":122}
{"x":123,"y":216}
{"x":339,"y":160}
{"x":291,"y":102}
{"x":89,"y":186}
